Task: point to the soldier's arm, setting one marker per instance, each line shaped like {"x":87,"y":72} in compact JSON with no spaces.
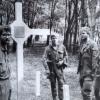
{"x":65,"y":54}
{"x":65,"y":59}
{"x":45,"y":59}
{"x":95,"y":53}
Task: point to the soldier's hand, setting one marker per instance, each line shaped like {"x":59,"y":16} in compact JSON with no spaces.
{"x":47,"y":72}
{"x":60,"y":62}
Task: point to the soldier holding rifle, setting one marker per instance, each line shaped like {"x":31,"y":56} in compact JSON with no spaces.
{"x":97,"y":80}
{"x":55,"y":60}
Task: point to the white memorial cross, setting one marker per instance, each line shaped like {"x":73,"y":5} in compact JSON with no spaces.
{"x":20,"y":32}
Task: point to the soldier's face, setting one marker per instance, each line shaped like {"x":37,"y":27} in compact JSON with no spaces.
{"x":54,"y":41}
{"x":84,"y":35}
{"x":6,"y":37}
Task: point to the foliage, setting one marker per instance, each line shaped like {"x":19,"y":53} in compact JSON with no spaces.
{"x":62,"y":16}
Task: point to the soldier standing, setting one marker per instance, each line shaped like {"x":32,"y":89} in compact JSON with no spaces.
{"x":97,"y":82}
{"x":87,"y":63}
{"x":5,"y":88}
{"x":55,"y":60}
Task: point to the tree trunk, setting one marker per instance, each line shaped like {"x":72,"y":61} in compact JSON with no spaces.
{"x":54,"y":2}
{"x":70,"y":42}
{"x":28,"y":14}
{"x":8,"y":15}
{"x":65,"y":23}
{"x":84,"y":17}
{"x":76,"y":27}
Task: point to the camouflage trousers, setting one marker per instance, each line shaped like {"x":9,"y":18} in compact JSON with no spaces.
{"x":57,"y":85}
{"x":97,"y":88}
{"x":86,"y":88}
{"x":5,"y":90}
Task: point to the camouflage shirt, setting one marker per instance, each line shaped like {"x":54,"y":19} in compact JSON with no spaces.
{"x":88,"y":58}
{"x":4,"y":65}
{"x":55,"y":54}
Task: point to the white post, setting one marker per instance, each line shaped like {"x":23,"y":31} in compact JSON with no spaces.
{"x":20,"y":60}
{"x":66,"y":92}
{"x":37,"y":83}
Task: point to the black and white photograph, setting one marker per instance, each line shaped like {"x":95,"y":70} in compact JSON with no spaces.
{"x":49,"y":50}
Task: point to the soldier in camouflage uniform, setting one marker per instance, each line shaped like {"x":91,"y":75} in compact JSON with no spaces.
{"x":55,"y":60}
{"x":87,"y":63}
{"x":5,"y":88}
{"x":97,"y":82}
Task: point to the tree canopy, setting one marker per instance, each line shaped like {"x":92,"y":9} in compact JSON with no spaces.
{"x":63,"y":16}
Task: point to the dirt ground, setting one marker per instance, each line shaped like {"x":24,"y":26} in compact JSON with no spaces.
{"x":32,"y":63}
